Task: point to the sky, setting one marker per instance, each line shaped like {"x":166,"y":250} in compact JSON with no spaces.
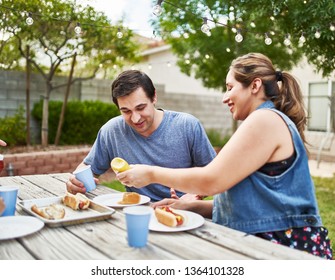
{"x":136,"y":13}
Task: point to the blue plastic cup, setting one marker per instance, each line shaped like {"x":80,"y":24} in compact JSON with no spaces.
{"x":85,"y":175}
{"x":137,"y":220}
{"x":9,"y":196}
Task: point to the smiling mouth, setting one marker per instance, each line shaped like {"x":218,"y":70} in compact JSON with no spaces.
{"x":139,"y":124}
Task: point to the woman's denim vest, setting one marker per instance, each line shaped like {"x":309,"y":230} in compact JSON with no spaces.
{"x":262,"y":203}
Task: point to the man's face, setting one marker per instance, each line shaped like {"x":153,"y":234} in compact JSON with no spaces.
{"x":139,"y":112}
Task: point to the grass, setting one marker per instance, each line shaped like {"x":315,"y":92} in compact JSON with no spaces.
{"x":325,"y":193}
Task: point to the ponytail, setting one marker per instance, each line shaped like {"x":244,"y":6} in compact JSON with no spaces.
{"x":279,"y":87}
{"x":290,"y":102}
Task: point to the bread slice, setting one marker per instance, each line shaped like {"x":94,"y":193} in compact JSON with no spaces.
{"x":51,"y":212}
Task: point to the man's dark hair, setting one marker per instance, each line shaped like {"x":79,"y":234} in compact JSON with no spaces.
{"x":129,"y":81}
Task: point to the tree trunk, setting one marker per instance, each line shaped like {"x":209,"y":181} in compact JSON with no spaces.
{"x":45,"y":119}
{"x":28,"y":97}
{"x":67,"y":93}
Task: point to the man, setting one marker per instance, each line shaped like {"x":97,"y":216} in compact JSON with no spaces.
{"x":144,"y":134}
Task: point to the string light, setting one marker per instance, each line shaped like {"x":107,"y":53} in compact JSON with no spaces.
{"x":302,"y":40}
{"x":268,"y":40}
{"x":317,"y":34}
{"x":205,"y":27}
{"x":157,"y":9}
{"x":119,"y":33}
{"x":238,"y":37}
{"x":77,"y":29}
{"x":29,"y":19}
{"x":287,"y":40}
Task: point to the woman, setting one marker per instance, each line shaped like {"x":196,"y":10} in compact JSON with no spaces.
{"x":260,"y":178}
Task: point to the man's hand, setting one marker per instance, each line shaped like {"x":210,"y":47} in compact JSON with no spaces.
{"x":74,"y":186}
{"x":186,"y":197}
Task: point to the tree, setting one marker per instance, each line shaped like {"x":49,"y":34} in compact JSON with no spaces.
{"x":207,"y":56}
{"x":53,"y":42}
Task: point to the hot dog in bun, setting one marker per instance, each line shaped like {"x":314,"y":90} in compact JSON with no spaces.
{"x":169,"y":217}
{"x":76,"y":202}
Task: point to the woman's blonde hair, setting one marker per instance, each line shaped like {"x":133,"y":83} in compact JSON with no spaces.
{"x":286,"y":96}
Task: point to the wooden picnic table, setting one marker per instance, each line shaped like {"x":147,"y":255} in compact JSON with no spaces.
{"x":106,"y":239}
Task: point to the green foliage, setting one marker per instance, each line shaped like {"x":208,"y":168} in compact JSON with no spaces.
{"x":116,"y":185}
{"x":82,"y":120}
{"x":53,"y":30}
{"x":325,"y":193}
{"x":208,"y":57}
{"x":216,"y":138}
{"x":13,"y":128}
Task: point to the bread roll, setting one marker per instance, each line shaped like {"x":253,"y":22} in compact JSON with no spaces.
{"x":130,"y":198}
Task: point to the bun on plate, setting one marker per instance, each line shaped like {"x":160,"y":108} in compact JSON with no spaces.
{"x":169,"y":217}
{"x":130,"y":198}
{"x":77,"y":201}
{"x":51,"y":212}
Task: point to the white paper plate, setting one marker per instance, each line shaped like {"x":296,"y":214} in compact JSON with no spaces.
{"x":113,"y":199}
{"x":18,"y":226}
{"x":193,"y":220}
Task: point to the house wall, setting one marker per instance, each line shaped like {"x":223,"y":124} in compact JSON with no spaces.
{"x":207,"y":107}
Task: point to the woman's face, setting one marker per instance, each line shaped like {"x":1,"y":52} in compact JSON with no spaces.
{"x":237,"y":97}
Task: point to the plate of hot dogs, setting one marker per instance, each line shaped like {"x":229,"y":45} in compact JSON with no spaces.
{"x":167,"y":219}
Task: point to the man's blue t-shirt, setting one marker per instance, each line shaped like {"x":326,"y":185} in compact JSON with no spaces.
{"x":180,"y":141}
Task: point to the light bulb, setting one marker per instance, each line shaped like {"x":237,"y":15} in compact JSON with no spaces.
{"x":29,"y":20}
{"x":119,"y":34}
{"x":157,"y":10}
{"x":317,"y":34}
{"x":77,"y":29}
{"x":238,"y":38}
{"x":287,"y":41}
{"x":205,"y":27}
{"x":302,"y":39}
{"x":268,"y":40}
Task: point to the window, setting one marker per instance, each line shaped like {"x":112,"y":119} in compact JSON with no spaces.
{"x":321,"y":102}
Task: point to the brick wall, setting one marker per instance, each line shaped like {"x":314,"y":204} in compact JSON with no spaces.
{"x":45,"y":162}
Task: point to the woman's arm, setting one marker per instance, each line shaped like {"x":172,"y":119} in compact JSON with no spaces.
{"x":261,"y":138}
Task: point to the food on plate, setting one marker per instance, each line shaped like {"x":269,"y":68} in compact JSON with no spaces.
{"x":77,"y":201}
{"x":119,"y":164}
{"x":51,"y":212}
{"x":169,"y":217}
{"x":130,"y":198}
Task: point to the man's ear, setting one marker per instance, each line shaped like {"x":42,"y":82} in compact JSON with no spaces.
{"x":154,"y":99}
